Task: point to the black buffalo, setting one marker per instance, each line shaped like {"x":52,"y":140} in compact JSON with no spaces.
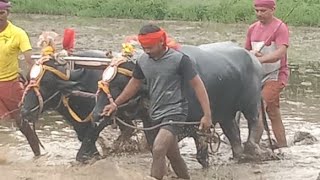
{"x":52,"y":88}
{"x":232,"y":77}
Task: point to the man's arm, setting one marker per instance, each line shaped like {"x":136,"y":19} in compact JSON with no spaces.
{"x":248,"y":41}
{"x":274,"y":56}
{"x":133,"y":85}
{"x":282,"y":43}
{"x":188,"y":71}
{"x":129,"y":91}
{"x":247,"y":44}
{"x":27,"y":57}
{"x":201,"y":94}
{"x":26,"y":49}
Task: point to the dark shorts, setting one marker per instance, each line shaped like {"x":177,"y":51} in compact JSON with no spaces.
{"x":174,"y":129}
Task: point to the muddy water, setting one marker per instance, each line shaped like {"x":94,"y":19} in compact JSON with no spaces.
{"x":300,"y":109}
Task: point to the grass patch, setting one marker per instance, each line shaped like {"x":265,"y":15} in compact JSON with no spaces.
{"x":306,"y":12}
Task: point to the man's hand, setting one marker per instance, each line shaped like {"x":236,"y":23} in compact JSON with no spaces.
{"x":205,"y":123}
{"x":259,"y":55}
{"x":271,"y":57}
{"x":109,"y":109}
{"x":256,"y":53}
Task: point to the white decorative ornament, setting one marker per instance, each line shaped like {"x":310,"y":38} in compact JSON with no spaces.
{"x":109,"y":73}
{"x":35,"y":71}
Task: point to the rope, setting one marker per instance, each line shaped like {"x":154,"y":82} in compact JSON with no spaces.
{"x":210,"y":136}
{"x":51,"y":97}
{"x":156,"y":126}
{"x":8,"y":113}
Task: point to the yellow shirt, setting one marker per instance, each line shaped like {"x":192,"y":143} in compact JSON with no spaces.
{"x":13,"y":40}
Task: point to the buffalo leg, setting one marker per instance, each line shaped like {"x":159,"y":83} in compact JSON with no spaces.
{"x":231,"y":130}
{"x":126,"y":132}
{"x":85,"y":133}
{"x":200,"y":142}
{"x":251,"y":146}
{"x":80,"y":129}
{"x":88,"y":149}
{"x":202,"y":149}
{"x":26,"y":130}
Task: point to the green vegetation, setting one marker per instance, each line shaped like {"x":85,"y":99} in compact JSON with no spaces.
{"x":306,"y":12}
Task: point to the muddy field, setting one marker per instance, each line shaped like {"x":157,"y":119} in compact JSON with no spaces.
{"x":300,"y":109}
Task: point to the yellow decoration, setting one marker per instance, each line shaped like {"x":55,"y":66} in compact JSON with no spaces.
{"x":47,"y":43}
{"x":127,"y":50}
{"x":49,"y":50}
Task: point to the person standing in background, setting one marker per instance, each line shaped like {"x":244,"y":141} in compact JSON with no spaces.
{"x":268,"y":39}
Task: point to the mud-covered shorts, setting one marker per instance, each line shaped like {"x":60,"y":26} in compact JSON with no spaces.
{"x":173,"y":128}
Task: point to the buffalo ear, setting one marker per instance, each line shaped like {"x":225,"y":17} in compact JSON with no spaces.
{"x":68,"y":86}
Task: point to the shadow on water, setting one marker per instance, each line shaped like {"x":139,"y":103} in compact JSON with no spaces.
{"x":299,"y":102}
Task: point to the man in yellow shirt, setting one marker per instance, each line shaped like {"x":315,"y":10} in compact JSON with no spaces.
{"x":13,"y":41}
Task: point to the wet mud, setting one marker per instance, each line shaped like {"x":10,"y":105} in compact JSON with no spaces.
{"x":299,"y":102}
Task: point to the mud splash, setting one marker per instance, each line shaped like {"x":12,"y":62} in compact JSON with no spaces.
{"x":300,"y":109}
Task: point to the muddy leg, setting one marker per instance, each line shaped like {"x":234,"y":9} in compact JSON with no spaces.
{"x":202,"y":148}
{"x":277,"y":126}
{"x":254,"y":125}
{"x":26,"y":130}
{"x":88,"y":149}
{"x":200,"y":142}
{"x":126,"y":132}
{"x":166,"y":144}
{"x":271,"y":95}
{"x":150,"y":135}
{"x":231,"y":130}
{"x":80,"y":130}
{"x":177,"y":163}
{"x":258,"y":129}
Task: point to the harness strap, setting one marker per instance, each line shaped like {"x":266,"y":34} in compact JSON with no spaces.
{"x":40,"y":99}
{"x":73,"y":114}
{"x":104,"y":86}
{"x":44,"y":59}
{"x":35,"y":84}
{"x":32,"y":84}
{"x":125,"y":72}
{"x":56,"y":72}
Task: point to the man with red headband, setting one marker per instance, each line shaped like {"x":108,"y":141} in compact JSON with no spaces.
{"x":13,"y":41}
{"x":268,"y":38}
{"x":164,"y":70}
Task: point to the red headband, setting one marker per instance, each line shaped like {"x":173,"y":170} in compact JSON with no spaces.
{"x":265,"y":3}
{"x":152,"y":38}
{"x":4,"y":5}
